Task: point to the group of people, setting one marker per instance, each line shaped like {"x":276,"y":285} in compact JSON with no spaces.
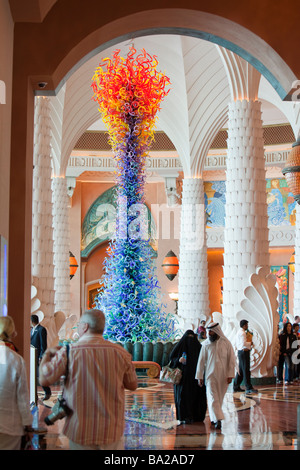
{"x":97,"y":373}
{"x":208,"y":367}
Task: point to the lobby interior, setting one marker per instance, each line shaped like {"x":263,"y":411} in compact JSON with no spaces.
{"x":266,"y":421}
{"x":216,"y":54}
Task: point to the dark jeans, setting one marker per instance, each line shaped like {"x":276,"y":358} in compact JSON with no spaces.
{"x":289,"y":368}
{"x":244,"y":371}
{"x":47,"y":390}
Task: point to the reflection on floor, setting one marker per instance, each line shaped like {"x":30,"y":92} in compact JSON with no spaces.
{"x":267,"y":420}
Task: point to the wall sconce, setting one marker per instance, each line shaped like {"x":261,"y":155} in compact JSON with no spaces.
{"x":73,"y":264}
{"x":291,"y":263}
{"x":170,"y":265}
{"x":174,"y":296}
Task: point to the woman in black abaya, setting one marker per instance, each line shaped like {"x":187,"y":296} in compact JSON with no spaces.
{"x":190,"y":399}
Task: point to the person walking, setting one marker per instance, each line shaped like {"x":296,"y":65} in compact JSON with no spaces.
{"x":296,"y":365}
{"x":215,"y":368}
{"x":98,"y":371}
{"x":190,"y":400}
{"x":243,"y":342}
{"x":288,"y":345}
{"x":15,"y":414}
{"x":38,"y":339}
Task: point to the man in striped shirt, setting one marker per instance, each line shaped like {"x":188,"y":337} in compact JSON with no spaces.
{"x":98,"y":373}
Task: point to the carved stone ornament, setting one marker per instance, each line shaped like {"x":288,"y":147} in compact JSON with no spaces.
{"x":260,"y":307}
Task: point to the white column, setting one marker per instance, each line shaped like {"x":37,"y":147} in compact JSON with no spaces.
{"x":42,"y":232}
{"x":246,"y":244}
{"x":61,"y":245}
{"x":193,"y":300}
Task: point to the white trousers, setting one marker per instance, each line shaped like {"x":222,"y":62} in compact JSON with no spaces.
{"x":215,"y":392}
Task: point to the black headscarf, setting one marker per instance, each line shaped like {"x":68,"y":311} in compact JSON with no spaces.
{"x":190,"y":345}
{"x":190,"y":399}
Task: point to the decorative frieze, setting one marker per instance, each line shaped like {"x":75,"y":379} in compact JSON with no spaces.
{"x":278,"y":236}
{"x":80,"y":163}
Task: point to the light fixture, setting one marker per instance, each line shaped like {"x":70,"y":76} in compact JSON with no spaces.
{"x":291,"y":263}
{"x":73,"y":264}
{"x":174,"y":296}
{"x":170,"y":265}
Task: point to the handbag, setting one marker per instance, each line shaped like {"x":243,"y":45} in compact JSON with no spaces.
{"x":170,"y":375}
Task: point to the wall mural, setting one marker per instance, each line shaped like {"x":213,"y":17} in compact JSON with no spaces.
{"x":281,"y":203}
{"x":282,"y":278}
{"x":215,"y":199}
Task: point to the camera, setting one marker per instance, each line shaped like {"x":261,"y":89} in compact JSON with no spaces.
{"x":60,"y":410}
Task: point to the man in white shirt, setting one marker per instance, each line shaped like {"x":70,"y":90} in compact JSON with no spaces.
{"x":243,"y":346}
{"x":216,"y":367}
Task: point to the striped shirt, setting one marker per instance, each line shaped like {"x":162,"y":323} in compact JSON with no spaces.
{"x":94,"y":390}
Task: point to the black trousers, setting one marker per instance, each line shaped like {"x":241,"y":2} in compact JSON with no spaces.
{"x":289,"y":368}
{"x":244,"y":370}
{"x":47,"y":390}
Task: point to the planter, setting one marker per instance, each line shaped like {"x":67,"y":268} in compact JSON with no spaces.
{"x":155,"y":352}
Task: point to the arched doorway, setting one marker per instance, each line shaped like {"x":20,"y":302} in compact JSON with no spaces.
{"x":36,"y":73}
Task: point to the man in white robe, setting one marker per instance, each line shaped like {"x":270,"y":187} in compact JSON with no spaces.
{"x":216,"y":364}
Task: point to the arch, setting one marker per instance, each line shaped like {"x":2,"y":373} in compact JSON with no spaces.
{"x":226,"y":34}
{"x":48,"y":52}
{"x":100,"y":221}
{"x":200,"y":24}
{"x":242,"y":78}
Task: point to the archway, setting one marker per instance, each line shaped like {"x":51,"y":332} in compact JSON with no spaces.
{"x":36,"y":73}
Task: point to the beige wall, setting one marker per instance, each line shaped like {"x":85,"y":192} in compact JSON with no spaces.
{"x":6,"y":59}
{"x":279,"y":256}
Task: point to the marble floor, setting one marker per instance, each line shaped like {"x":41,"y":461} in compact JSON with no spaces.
{"x":266,"y":421}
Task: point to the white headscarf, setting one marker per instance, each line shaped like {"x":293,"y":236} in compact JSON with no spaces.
{"x":215,"y":327}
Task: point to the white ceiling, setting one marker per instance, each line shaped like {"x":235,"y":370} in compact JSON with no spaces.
{"x":194,"y":110}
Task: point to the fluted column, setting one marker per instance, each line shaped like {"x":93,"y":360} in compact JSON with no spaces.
{"x":297,"y":264}
{"x":246,"y":244}
{"x":61,"y":245}
{"x":42,"y":232}
{"x":193,"y":275}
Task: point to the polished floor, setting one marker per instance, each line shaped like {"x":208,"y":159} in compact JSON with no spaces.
{"x":266,"y":421}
